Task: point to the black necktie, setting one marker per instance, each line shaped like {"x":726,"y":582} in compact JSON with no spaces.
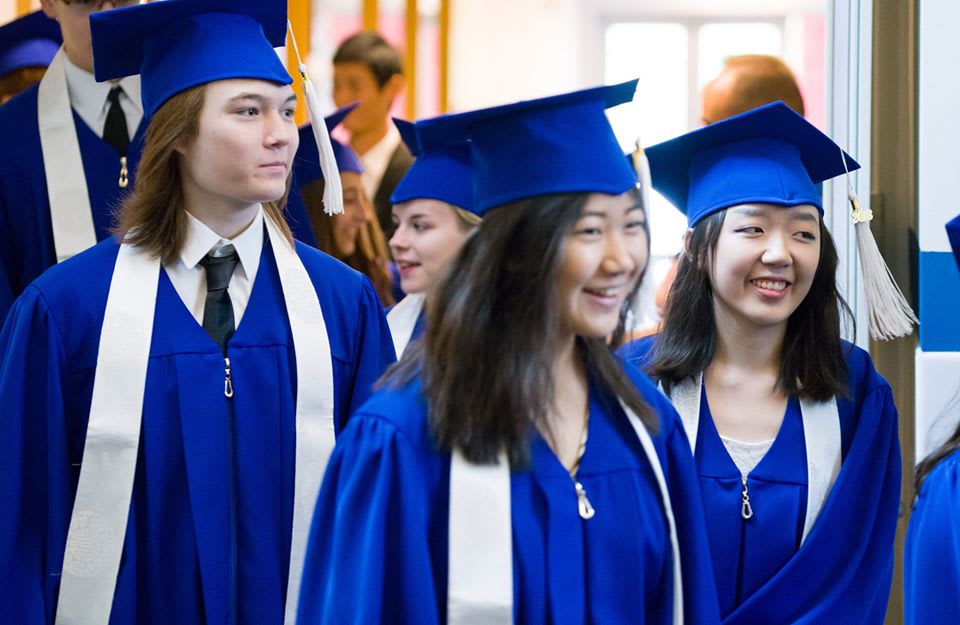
{"x":218,"y":309}
{"x":115,"y":129}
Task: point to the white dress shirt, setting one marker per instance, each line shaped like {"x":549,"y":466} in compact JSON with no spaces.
{"x":190,"y":279}
{"x":376,"y":159}
{"x":89,"y":98}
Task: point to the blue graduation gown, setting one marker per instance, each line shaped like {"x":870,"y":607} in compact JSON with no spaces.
{"x":932,"y":562}
{"x":191,"y":505}
{"x":26,"y":234}
{"x":378,"y":549}
{"x":842,"y":572}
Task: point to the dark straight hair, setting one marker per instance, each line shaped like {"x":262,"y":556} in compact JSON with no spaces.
{"x":812,"y":363}
{"x":486,"y":358}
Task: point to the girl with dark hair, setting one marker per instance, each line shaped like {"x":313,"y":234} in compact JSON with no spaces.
{"x":511,"y":469}
{"x":432,"y":216}
{"x":355,"y":237}
{"x":794,"y":433}
{"x":932,"y":551}
{"x":170,"y":396}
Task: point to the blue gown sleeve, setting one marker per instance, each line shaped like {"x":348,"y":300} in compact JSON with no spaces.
{"x":368,"y":557}
{"x":932,"y":562}
{"x":374,"y":346}
{"x":35,"y":492}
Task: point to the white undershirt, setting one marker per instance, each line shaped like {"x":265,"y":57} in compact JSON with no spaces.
{"x":89,"y":98}
{"x":190,"y":279}
{"x":746,"y":455}
{"x":376,"y":159}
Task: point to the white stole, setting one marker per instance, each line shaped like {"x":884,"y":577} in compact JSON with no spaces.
{"x":480,"y":579}
{"x":70,"y":214}
{"x":98,"y":523}
{"x":402,"y":318}
{"x":821,"y":435}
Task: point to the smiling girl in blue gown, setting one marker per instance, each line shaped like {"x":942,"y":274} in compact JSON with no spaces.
{"x":511,"y":469}
{"x":793,"y":430}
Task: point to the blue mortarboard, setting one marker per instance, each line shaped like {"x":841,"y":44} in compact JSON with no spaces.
{"x":30,"y":41}
{"x":953,"y":233}
{"x":440,"y":172}
{"x":768,"y":155}
{"x":178,"y":44}
{"x":559,"y":144}
{"x":306,"y":166}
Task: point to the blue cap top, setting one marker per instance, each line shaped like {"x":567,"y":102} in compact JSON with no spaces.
{"x":769,"y":155}
{"x":178,"y":44}
{"x":440,"y":172}
{"x":953,"y":233}
{"x":30,"y":41}
{"x":559,"y":144}
{"x":306,"y":166}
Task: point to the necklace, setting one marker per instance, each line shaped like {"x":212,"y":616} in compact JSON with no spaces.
{"x":583,"y":504}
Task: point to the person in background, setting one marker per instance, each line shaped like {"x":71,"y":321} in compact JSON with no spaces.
{"x":27,"y":45}
{"x":368,"y":69}
{"x":511,"y":469}
{"x":932,"y":549}
{"x":794,"y":432}
{"x":171,"y":395}
{"x":355,"y":236}
{"x":433,"y":213}
{"x":749,"y":81}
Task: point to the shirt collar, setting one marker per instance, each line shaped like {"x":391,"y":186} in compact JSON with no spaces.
{"x":89,"y":97}
{"x":376,"y":159}
{"x":201,"y":240}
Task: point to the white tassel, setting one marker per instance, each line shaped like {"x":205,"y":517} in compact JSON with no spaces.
{"x":890,"y":314}
{"x":332,"y":188}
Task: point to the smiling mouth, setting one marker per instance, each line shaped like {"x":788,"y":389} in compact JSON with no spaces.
{"x":612,"y":291}
{"x":405,"y":265}
{"x":771,"y":285}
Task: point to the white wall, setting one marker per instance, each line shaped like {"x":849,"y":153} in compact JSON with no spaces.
{"x":507,"y":50}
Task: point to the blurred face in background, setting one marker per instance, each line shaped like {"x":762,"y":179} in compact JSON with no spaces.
{"x":356,"y":212}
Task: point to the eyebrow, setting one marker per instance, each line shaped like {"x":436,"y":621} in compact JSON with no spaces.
{"x":603,"y":215}
{"x":259,"y":98}
{"x":750,"y":211}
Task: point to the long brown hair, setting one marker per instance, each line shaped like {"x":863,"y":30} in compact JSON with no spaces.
{"x":812,"y":363}
{"x":493,"y":323}
{"x":371,"y":256}
{"x":152,"y":217}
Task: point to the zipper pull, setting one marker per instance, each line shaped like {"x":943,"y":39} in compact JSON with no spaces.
{"x":586,"y":510}
{"x":746,"y":510}
{"x":227,"y":380}
{"x":123,"y":173}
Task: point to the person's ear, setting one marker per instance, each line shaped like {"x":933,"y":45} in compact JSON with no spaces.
{"x":394,"y":86}
{"x":48,"y":9}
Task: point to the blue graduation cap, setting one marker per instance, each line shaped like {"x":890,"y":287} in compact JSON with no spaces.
{"x":768,"y":155}
{"x":953,"y":233}
{"x":559,"y":144}
{"x":440,"y":172}
{"x":306,"y":166}
{"x":178,"y":44}
{"x":30,"y":41}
